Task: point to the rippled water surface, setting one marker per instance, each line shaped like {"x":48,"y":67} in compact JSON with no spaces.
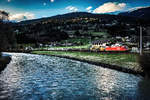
{"x":35,"y":77}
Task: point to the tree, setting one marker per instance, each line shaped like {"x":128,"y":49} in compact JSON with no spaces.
{"x":7,"y":37}
{"x":117,"y":30}
{"x":77,"y":33}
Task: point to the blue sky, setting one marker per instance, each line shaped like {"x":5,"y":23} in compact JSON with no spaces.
{"x":31,"y":9}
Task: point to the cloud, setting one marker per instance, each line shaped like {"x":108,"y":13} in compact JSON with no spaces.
{"x":21,"y":16}
{"x":109,"y":7}
{"x":89,"y":9}
{"x":52,"y":0}
{"x":9,"y":0}
{"x":44,"y":16}
{"x":72,"y":9}
{"x":44,"y":4}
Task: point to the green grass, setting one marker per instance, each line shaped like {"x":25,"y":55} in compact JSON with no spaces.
{"x":69,"y":47}
{"x":84,"y":41}
{"x":74,"y":47}
{"x":98,"y":33}
{"x":79,"y":41}
{"x":128,"y":61}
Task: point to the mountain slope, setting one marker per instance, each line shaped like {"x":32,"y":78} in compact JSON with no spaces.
{"x":75,"y":15}
{"x":143,"y":13}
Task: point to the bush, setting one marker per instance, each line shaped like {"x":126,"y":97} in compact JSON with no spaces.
{"x":7,"y":37}
{"x":144,"y":61}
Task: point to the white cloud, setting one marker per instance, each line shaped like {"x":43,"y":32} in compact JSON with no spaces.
{"x":109,"y":7}
{"x":52,"y":0}
{"x":89,"y":8}
{"x":44,"y":16}
{"x":72,"y":9}
{"x":9,"y":0}
{"x":21,"y":16}
{"x":44,"y":4}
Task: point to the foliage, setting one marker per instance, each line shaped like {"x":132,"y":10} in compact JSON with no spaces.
{"x":77,"y":33}
{"x":77,"y":41}
{"x":39,"y":34}
{"x":144,"y":61}
{"x":75,"y":25}
{"x":7,"y":37}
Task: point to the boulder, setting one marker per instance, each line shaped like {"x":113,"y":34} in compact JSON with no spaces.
{"x":4,"y":60}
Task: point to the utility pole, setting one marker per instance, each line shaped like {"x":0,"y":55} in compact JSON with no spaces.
{"x":90,"y":37}
{"x":141,"y":40}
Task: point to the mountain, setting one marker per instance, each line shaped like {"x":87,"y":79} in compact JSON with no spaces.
{"x":67,"y":16}
{"x":143,"y":13}
{"x":63,"y":16}
{"x":74,"y":15}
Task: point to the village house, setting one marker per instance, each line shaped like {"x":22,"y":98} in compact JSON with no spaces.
{"x":108,"y":45}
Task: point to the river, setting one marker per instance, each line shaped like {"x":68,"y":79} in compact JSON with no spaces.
{"x":39,"y":77}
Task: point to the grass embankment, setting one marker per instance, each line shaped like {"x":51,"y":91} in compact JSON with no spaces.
{"x":73,"y":47}
{"x":67,"y":48}
{"x":119,"y":61}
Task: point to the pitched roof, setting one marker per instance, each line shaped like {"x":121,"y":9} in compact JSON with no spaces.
{"x":100,"y":41}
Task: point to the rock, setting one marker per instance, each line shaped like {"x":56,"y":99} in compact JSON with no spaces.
{"x":4,"y":60}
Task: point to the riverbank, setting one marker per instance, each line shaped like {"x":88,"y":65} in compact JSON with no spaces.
{"x":125,"y":62}
{"x":4,"y":60}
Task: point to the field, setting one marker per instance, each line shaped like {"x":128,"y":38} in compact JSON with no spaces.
{"x":124,"y":60}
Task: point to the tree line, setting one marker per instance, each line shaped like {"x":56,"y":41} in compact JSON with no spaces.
{"x":7,"y":36}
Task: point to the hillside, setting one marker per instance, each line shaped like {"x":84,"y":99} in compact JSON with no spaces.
{"x":73,"y":15}
{"x":74,"y":26}
{"x":143,"y":13}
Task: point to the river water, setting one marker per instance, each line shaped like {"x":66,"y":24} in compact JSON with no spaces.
{"x":39,"y":77}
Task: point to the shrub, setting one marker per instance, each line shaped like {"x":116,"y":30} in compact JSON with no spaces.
{"x":144,"y":61}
